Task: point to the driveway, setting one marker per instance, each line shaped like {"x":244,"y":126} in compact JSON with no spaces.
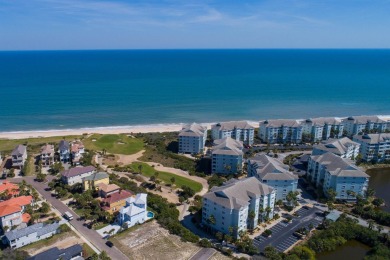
{"x":90,"y":234}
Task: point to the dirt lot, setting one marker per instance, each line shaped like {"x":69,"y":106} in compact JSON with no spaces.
{"x":150,"y":241}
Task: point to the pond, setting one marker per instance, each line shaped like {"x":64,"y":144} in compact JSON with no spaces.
{"x":351,"y":250}
{"x":380,"y":182}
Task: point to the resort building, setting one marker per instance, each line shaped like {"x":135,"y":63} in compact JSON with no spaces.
{"x":12,"y":211}
{"x":226,"y":156}
{"x":114,"y":202}
{"x":77,"y":150}
{"x":21,"y":237}
{"x":237,"y":205}
{"x":63,"y":150}
{"x":106,"y":190}
{"x":74,"y":252}
{"x":355,"y":125}
{"x":274,"y":173}
{"x":374,"y":147}
{"x":344,"y":147}
{"x":323,"y":128}
{"x":330,"y":171}
{"x":47,"y":155}
{"x":19,"y":156}
{"x":281,"y":131}
{"x":76,"y":175}
{"x":238,"y":130}
{"x":192,"y":139}
{"x":94,"y":180}
{"x":135,"y":210}
{"x":8,"y":190}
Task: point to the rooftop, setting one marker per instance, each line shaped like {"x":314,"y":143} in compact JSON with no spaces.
{"x":55,"y":253}
{"x":236,"y":194}
{"x":336,"y":146}
{"x":227,"y":146}
{"x":39,"y":228}
{"x":14,"y":205}
{"x":373,"y":138}
{"x":193,"y":130}
{"x":232,"y":125}
{"x":268,"y":168}
{"x":365,"y":119}
{"x":64,"y":145}
{"x":19,"y":150}
{"x":96,"y":176}
{"x":12,"y":188}
{"x":281,"y":122}
{"x":117,"y":196}
{"x":324,"y":120}
{"x":77,"y":171}
{"x":108,"y":187}
{"x":47,"y":149}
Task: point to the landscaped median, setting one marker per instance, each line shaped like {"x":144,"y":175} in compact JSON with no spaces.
{"x":166,"y":177}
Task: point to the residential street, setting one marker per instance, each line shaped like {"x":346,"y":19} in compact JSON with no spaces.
{"x":90,"y":234}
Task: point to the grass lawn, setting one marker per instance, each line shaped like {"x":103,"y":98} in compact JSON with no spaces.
{"x":34,"y":144}
{"x":118,"y":144}
{"x":30,"y":169}
{"x":87,"y":251}
{"x":49,"y":241}
{"x":166,"y":176}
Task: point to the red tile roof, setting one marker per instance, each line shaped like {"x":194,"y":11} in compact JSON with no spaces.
{"x":12,"y":189}
{"x":19,"y":201}
{"x":117,"y":196}
{"x":26,"y":217}
{"x":9,"y":209}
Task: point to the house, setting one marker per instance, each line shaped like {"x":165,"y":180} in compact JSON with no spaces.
{"x":135,"y":210}
{"x":21,"y":237}
{"x":323,"y":128}
{"x":355,"y":125}
{"x":274,"y":173}
{"x":12,"y":211}
{"x":19,"y":156}
{"x":63,"y":150}
{"x":344,"y":147}
{"x":114,"y":202}
{"x":238,"y":130}
{"x":76,"y":174}
{"x":74,"y":252}
{"x":226,"y":156}
{"x":281,"y":131}
{"x":192,"y":139}
{"x":94,"y":180}
{"x":77,"y":150}
{"x":374,"y":147}
{"x":331,"y":172}
{"x":47,"y":155}
{"x":237,"y":205}
{"x":106,"y":190}
{"x":9,"y":189}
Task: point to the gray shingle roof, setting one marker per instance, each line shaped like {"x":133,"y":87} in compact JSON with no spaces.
{"x":236,"y":194}
{"x":64,"y":145}
{"x":373,"y":138}
{"x":232,"y":125}
{"x":268,"y":168}
{"x":19,"y":150}
{"x":193,"y":130}
{"x":324,"y":120}
{"x":77,"y":171}
{"x":339,"y":166}
{"x":55,"y":253}
{"x":39,"y":228}
{"x":281,"y":122}
{"x":96,"y":176}
{"x":336,"y":146}
{"x":227,"y":146}
{"x":365,"y":119}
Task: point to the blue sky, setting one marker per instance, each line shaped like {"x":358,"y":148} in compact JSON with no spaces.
{"x":120,"y":24}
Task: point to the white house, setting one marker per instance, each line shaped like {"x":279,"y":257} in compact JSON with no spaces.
{"x":76,"y":175}
{"x":281,"y":131}
{"x":77,"y":150}
{"x":226,"y":156}
{"x":238,"y":130}
{"x":274,"y":173}
{"x":374,"y":147}
{"x":192,"y":139}
{"x":135,"y":210}
{"x":47,"y":154}
{"x":365,"y":124}
{"x":344,"y":147}
{"x":19,"y":156}
{"x":237,"y":205}
{"x":330,"y":171}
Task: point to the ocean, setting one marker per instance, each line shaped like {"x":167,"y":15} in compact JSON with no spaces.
{"x":45,"y":90}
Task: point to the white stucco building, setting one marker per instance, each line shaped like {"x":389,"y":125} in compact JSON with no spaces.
{"x":238,"y":130}
{"x":227,"y":156}
{"x":192,"y":139}
{"x":281,"y":131}
{"x":365,"y":124}
{"x":323,"y":128}
{"x":344,"y":147}
{"x":374,"y":147}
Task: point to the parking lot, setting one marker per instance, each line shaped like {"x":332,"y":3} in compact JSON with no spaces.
{"x":283,"y":233}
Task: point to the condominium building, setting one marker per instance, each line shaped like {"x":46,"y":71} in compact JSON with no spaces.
{"x":192,"y":139}
{"x":374,"y":147}
{"x":274,"y":173}
{"x":226,"y":156}
{"x":237,"y":205}
{"x":344,"y":147}
{"x":330,"y":171}
{"x":281,"y":131}
{"x":47,"y":155}
{"x":238,"y":130}
{"x":365,"y":124}
{"x":19,"y":156}
{"x":323,"y":128}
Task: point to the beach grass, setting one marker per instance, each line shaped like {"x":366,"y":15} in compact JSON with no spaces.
{"x":114,"y":143}
{"x":165,"y":177}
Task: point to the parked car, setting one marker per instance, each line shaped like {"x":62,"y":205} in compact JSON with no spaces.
{"x":109,"y":244}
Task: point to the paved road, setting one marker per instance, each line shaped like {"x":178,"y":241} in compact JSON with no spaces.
{"x":90,"y":234}
{"x":203,"y":254}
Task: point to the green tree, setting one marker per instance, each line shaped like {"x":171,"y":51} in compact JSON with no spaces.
{"x":331,"y":195}
{"x":303,"y":252}
{"x":173,"y":180}
{"x":45,"y":208}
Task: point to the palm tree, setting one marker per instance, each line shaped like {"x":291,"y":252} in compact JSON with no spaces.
{"x":370,"y":223}
{"x":252,"y":216}
{"x":268,"y":210}
{"x":173,"y":180}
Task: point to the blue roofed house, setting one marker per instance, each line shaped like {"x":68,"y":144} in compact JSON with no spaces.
{"x":135,"y":211}
{"x":20,"y":237}
{"x":64,"y":151}
{"x":274,"y":173}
